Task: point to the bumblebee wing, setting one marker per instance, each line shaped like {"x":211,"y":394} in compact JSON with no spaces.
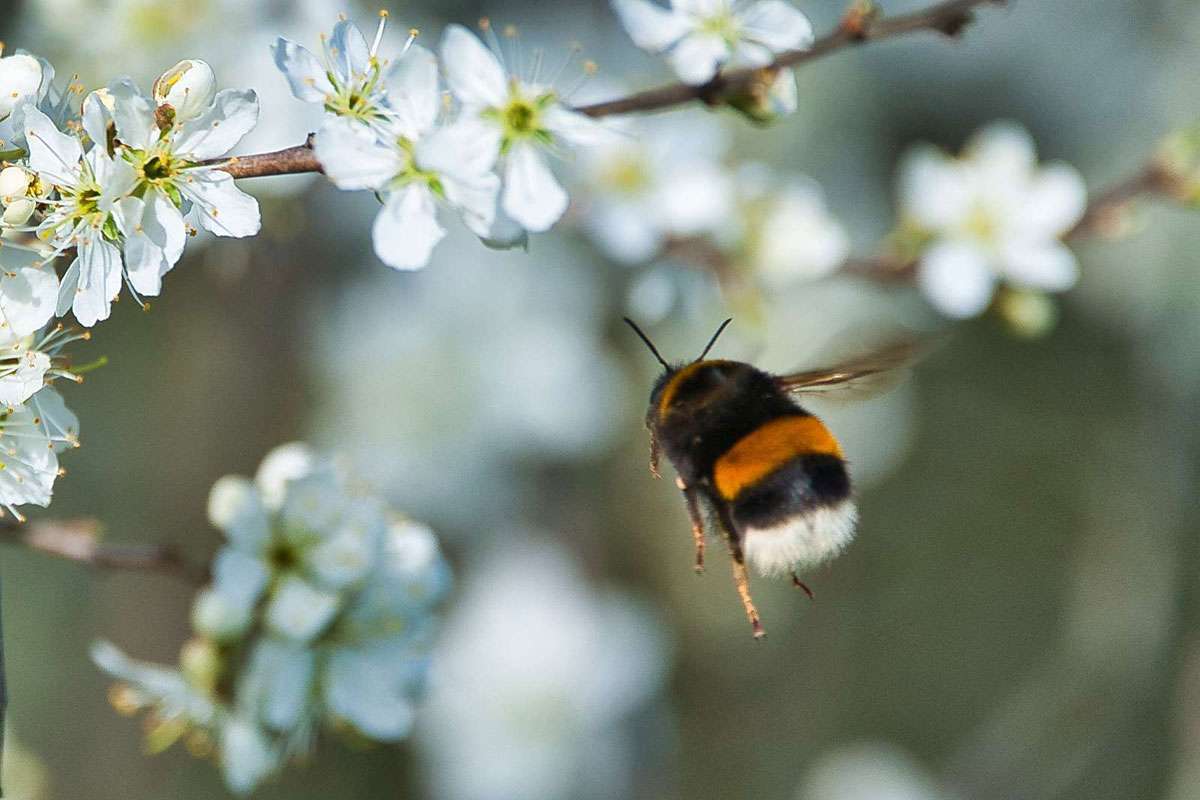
{"x":859,"y":377}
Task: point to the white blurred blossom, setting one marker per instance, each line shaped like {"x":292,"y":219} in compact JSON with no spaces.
{"x":660,"y":177}
{"x":536,"y":659}
{"x":699,"y":37}
{"x":790,"y":234}
{"x":992,"y":215}
{"x":320,"y":611}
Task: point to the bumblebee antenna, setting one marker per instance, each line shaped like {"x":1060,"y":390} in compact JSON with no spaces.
{"x":649,"y":343}
{"x":714,"y":338}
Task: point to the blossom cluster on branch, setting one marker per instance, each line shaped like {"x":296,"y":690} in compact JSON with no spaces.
{"x":320,"y":613}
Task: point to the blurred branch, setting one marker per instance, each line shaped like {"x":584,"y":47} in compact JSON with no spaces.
{"x":860,"y":25}
{"x":79,"y":540}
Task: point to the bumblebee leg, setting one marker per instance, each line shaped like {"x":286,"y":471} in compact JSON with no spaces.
{"x":654,"y":454}
{"x":696,"y":516}
{"x":741,"y":578}
{"x":799,"y":584}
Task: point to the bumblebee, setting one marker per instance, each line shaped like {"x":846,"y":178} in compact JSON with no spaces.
{"x":755,"y":465}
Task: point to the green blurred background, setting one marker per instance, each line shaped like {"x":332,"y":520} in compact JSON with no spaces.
{"x":1017,"y":619}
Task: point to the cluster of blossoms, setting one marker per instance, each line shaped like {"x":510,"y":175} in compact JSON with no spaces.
{"x":320,"y":612}
{"x":669,"y":191}
{"x":388,"y":129}
{"x":115,"y":182}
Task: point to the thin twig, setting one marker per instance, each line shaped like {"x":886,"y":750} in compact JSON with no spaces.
{"x":79,"y":540}
{"x":858,"y":27}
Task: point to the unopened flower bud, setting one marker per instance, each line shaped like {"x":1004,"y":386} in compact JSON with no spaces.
{"x":1028,"y":313}
{"x":18,"y":211}
{"x":14,"y":183}
{"x":200,"y":663}
{"x":20,"y":78}
{"x":188,"y":87}
{"x":220,"y":618}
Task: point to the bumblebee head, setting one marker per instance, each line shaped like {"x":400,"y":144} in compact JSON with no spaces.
{"x":686,"y":381}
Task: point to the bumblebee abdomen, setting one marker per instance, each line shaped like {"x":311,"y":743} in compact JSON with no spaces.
{"x":789,"y":493}
{"x":770,"y":447}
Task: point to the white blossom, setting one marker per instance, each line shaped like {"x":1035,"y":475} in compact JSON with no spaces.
{"x":413,"y":165}
{"x":518,"y":120}
{"x":662,"y":178}
{"x":991,"y":215}
{"x":701,"y":36}
{"x":350,"y":80}
{"x":795,"y":236}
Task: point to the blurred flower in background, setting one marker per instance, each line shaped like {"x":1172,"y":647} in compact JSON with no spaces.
{"x":992,"y":216}
{"x":535,"y":680}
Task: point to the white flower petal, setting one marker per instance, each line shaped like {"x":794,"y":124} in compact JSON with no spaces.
{"x":280,"y":681}
{"x":144,"y":264}
{"x":27,"y":294}
{"x":475,"y":201}
{"x":304,"y":71}
{"x":67,"y":289}
{"x":300,"y":611}
{"x":1002,"y":152}
{"x":698,"y":56}
{"x":532,"y":195}
{"x":284,"y":464}
{"x":240,"y":577}
{"x":575,"y":128}
{"x":52,"y":154}
{"x":751,"y":54}
{"x":363,"y":688}
{"x":20,"y":78}
{"x":163,"y":223}
{"x":406,"y":229}
{"x":220,"y":206}
{"x":247,"y":757}
{"x":1055,"y":201}
{"x":1046,"y":265}
{"x":133,"y":114}
{"x":467,"y":149}
{"x":349,"y":51}
{"x":25,"y":378}
{"x":219,"y":616}
{"x":233,"y":114}
{"x":352,"y":157}
{"x":650,"y":26}
{"x":625,"y":231}
{"x":776,"y":24}
{"x":99,"y":280}
{"x":956,"y":278}
{"x":413,"y":91}
{"x":472,"y":71}
{"x":935,"y":191}
{"x":96,"y":118}
{"x":235,"y":507}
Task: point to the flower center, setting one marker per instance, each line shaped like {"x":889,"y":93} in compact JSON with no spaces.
{"x":411,"y":172}
{"x":723,"y":25}
{"x":626,"y":175}
{"x":981,"y":225}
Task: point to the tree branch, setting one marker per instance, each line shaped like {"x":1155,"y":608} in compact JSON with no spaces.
{"x":860,"y":25}
{"x":78,"y":540}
